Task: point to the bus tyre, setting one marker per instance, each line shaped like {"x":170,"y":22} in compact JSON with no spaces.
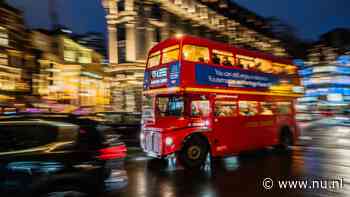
{"x":194,"y":152}
{"x":286,"y":140}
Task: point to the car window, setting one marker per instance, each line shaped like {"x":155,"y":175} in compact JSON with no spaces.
{"x":20,"y":137}
{"x":132,"y":119}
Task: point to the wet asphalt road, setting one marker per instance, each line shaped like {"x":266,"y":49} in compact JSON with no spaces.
{"x":240,"y":175}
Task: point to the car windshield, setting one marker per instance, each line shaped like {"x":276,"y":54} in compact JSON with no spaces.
{"x":131,"y":119}
{"x":170,"y":106}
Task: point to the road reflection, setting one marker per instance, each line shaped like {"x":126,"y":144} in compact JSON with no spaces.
{"x":239,"y":175}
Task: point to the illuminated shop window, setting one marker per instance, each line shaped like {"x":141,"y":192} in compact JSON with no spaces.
{"x":3,"y":59}
{"x":225,"y":108}
{"x":154,"y":59}
{"x":84,"y":57}
{"x":195,"y":53}
{"x":266,"y":108}
{"x":284,"y":108}
{"x":200,"y":108}
{"x":248,"y":108}
{"x":170,"y":54}
{"x":4,"y":37}
{"x":69,"y":56}
{"x":222,"y":57}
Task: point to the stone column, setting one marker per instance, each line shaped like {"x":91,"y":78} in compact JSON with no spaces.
{"x":150,"y":36}
{"x":164,"y":31}
{"x":130,"y":42}
{"x":129,"y":5}
{"x":112,"y":45}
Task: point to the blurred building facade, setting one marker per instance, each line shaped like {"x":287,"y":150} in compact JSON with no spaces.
{"x":326,"y":74}
{"x":93,"y":40}
{"x":69,"y":75}
{"x":16,"y":64}
{"x":134,"y":26}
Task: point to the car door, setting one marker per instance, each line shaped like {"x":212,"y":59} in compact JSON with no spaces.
{"x":16,"y":162}
{"x":26,"y":159}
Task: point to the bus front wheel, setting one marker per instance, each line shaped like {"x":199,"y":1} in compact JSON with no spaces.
{"x":194,"y":152}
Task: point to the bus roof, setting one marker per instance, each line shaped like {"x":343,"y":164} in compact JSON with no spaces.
{"x":186,"y":39}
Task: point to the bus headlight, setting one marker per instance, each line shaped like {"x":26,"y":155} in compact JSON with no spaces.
{"x":169,"y":141}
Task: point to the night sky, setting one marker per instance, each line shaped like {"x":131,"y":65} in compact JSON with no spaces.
{"x":309,"y":17}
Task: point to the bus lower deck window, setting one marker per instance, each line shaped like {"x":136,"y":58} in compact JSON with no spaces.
{"x":170,"y":106}
{"x":284,"y":108}
{"x":200,"y":108}
{"x":248,"y":108}
{"x":225,"y":108}
{"x":266,"y":108}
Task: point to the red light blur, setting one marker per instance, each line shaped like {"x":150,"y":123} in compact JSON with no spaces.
{"x":115,"y":152}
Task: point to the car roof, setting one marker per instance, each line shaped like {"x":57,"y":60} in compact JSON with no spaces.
{"x":37,"y":121}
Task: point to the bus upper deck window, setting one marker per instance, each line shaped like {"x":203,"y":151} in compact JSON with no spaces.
{"x":222,"y":57}
{"x":170,"y":54}
{"x":154,"y":59}
{"x":245,"y":62}
{"x":195,"y":53}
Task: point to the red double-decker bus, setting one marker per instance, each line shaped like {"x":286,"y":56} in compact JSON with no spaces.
{"x":203,"y":97}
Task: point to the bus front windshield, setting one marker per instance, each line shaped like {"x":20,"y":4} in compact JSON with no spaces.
{"x":170,"y":106}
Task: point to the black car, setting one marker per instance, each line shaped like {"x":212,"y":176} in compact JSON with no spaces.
{"x":127,"y":125}
{"x":47,"y":158}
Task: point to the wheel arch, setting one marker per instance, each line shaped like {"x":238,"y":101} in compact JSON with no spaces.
{"x":196,"y":134}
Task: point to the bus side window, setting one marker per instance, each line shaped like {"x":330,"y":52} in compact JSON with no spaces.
{"x":225,"y":108}
{"x":170,"y":54}
{"x":284,"y":108}
{"x":195,"y":53}
{"x":154,"y":59}
{"x":222,"y":57}
{"x":200,"y":108}
{"x":266,"y":108}
{"x":248,"y":108}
